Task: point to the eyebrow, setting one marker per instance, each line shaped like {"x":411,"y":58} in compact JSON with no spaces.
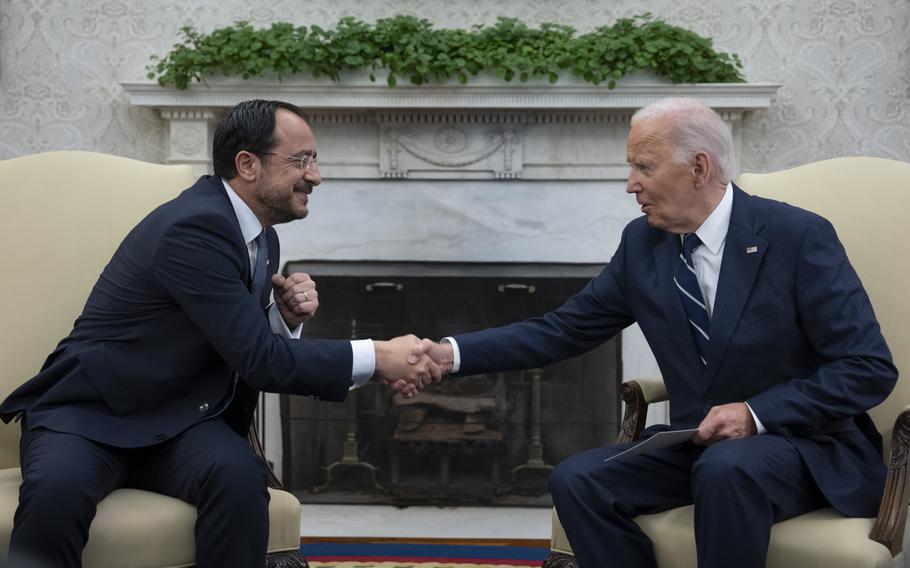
{"x":302,"y":153}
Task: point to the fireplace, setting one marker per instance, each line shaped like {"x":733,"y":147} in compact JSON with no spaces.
{"x":482,"y":438}
{"x":516,"y":183}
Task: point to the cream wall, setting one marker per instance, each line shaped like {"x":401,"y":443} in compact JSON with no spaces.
{"x":844,"y":65}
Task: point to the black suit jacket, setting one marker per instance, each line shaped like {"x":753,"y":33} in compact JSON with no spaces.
{"x":168,"y":323}
{"x":792,"y":333}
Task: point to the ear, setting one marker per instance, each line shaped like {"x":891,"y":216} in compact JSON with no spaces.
{"x":248,"y":165}
{"x":701,"y":168}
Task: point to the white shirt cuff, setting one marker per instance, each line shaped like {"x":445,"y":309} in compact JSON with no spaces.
{"x":758,"y":425}
{"x":364,"y":363}
{"x":456,"y":354}
{"x":278,"y":325}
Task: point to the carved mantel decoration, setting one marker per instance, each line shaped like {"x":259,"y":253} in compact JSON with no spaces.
{"x":490,"y":130}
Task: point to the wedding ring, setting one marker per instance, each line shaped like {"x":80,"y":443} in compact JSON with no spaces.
{"x":305,"y":298}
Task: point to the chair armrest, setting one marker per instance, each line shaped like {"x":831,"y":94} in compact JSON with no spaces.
{"x":637,"y":394}
{"x":653,"y":389}
{"x":892,"y":515}
{"x":253,"y":437}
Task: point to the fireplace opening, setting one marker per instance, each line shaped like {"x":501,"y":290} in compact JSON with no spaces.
{"x":481,"y":439}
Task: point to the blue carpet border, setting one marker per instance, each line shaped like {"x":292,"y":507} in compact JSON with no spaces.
{"x":404,"y":550}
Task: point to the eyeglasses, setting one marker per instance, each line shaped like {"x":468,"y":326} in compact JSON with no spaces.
{"x":303,"y":162}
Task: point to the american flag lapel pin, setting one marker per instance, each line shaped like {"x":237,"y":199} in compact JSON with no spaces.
{"x":751,"y":250}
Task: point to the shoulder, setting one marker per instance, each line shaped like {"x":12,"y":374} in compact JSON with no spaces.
{"x":201,"y":212}
{"x":205,"y":202}
{"x":774,"y":218}
{"x":205,"y":197}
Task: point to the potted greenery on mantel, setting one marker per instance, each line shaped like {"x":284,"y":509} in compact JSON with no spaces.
{"x":410,"y":48}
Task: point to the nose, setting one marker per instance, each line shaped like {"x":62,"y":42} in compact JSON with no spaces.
{"x":632,"y":185}
{"x":312,"y":174}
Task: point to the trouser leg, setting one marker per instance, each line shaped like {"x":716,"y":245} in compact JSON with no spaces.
{"x":64,"y":477}
{"x":213,"y":468}
{"x":740,"y":488}
{"x":597,"y":501}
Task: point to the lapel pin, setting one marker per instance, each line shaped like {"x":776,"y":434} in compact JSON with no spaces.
{"x":750,"y":250}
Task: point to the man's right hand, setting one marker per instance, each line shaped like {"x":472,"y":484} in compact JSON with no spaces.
{"x":403,"y":364}
{"x":725,"y":422}
{"x":441,"y":353}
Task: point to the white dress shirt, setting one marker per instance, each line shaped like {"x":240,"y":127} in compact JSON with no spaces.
{"x":706,"y":260}
{"x":364,"y":362}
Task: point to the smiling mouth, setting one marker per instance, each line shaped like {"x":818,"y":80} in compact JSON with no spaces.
{"x":303,"y":196}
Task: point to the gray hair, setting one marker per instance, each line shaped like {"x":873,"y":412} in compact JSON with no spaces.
{"x":695,"y":128}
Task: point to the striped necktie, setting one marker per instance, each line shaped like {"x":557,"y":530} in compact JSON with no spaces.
{"x":692,"y":299}
{"x":259,"y":280}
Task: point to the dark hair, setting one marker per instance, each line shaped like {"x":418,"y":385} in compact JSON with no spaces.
{"x":249,"y":126}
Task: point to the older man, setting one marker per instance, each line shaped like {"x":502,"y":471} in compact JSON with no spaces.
{"x":155,"y":386}
{"x":765,"y":338}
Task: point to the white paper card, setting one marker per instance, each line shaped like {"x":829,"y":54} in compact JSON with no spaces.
{"x":659,"y":440}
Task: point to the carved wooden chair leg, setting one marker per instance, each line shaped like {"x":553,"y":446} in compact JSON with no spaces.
{"x":287,"y":559}
{"x":560,"y":560}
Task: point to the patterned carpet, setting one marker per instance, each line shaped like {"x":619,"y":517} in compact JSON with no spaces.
{"x":408,"y":564}
{"x":421,"y":555}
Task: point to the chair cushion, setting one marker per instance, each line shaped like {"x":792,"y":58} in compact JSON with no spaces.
{"x":131,"y":525}
{"x":820,"y":538}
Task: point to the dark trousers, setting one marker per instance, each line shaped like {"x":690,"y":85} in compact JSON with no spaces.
{"x":739,"y":488}
{"x":65,"y":476}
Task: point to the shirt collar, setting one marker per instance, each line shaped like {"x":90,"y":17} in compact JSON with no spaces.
{"x":713,"y":232}
{"x":250,"y":226}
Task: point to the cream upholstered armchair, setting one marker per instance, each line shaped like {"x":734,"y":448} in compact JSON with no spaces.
{"x":65,"y":213}
{"x":867,"y":200}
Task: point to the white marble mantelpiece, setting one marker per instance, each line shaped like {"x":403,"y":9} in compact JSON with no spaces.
{"x":487,"y":129}
{"x":482,"y":92}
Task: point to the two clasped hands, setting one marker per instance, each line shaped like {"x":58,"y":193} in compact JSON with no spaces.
{"x":405,"y":363}
{"x":408,"y":363}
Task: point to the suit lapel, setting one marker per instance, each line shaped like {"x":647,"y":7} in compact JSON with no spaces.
{"x":744,"y":251}
{"x":666,"y":256}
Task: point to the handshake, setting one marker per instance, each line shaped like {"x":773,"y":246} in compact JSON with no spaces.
{"x":408,"y":363}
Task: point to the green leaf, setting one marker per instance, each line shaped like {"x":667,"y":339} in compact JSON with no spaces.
{"x":412,"y":47}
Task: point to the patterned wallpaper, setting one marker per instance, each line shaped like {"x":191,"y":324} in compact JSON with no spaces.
{"x":844,"y":65}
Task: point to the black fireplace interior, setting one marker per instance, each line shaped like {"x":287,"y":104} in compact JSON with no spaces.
{"x":488,"y":438}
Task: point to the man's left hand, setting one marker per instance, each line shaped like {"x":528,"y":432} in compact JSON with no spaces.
{"x":725,"y":422}
{"x":296,"y":297}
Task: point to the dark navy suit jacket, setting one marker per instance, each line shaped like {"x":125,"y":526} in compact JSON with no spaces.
{"x":792,"y":333}
{"x":168,"y":323}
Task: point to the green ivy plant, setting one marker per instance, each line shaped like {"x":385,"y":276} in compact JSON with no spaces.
{"x":405,"y":46}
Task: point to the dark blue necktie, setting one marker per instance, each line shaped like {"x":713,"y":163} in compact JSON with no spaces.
{"x":259,"y":279}
{"x":692,"y":299}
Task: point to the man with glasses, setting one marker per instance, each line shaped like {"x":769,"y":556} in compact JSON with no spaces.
{"x":155,"y":386}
